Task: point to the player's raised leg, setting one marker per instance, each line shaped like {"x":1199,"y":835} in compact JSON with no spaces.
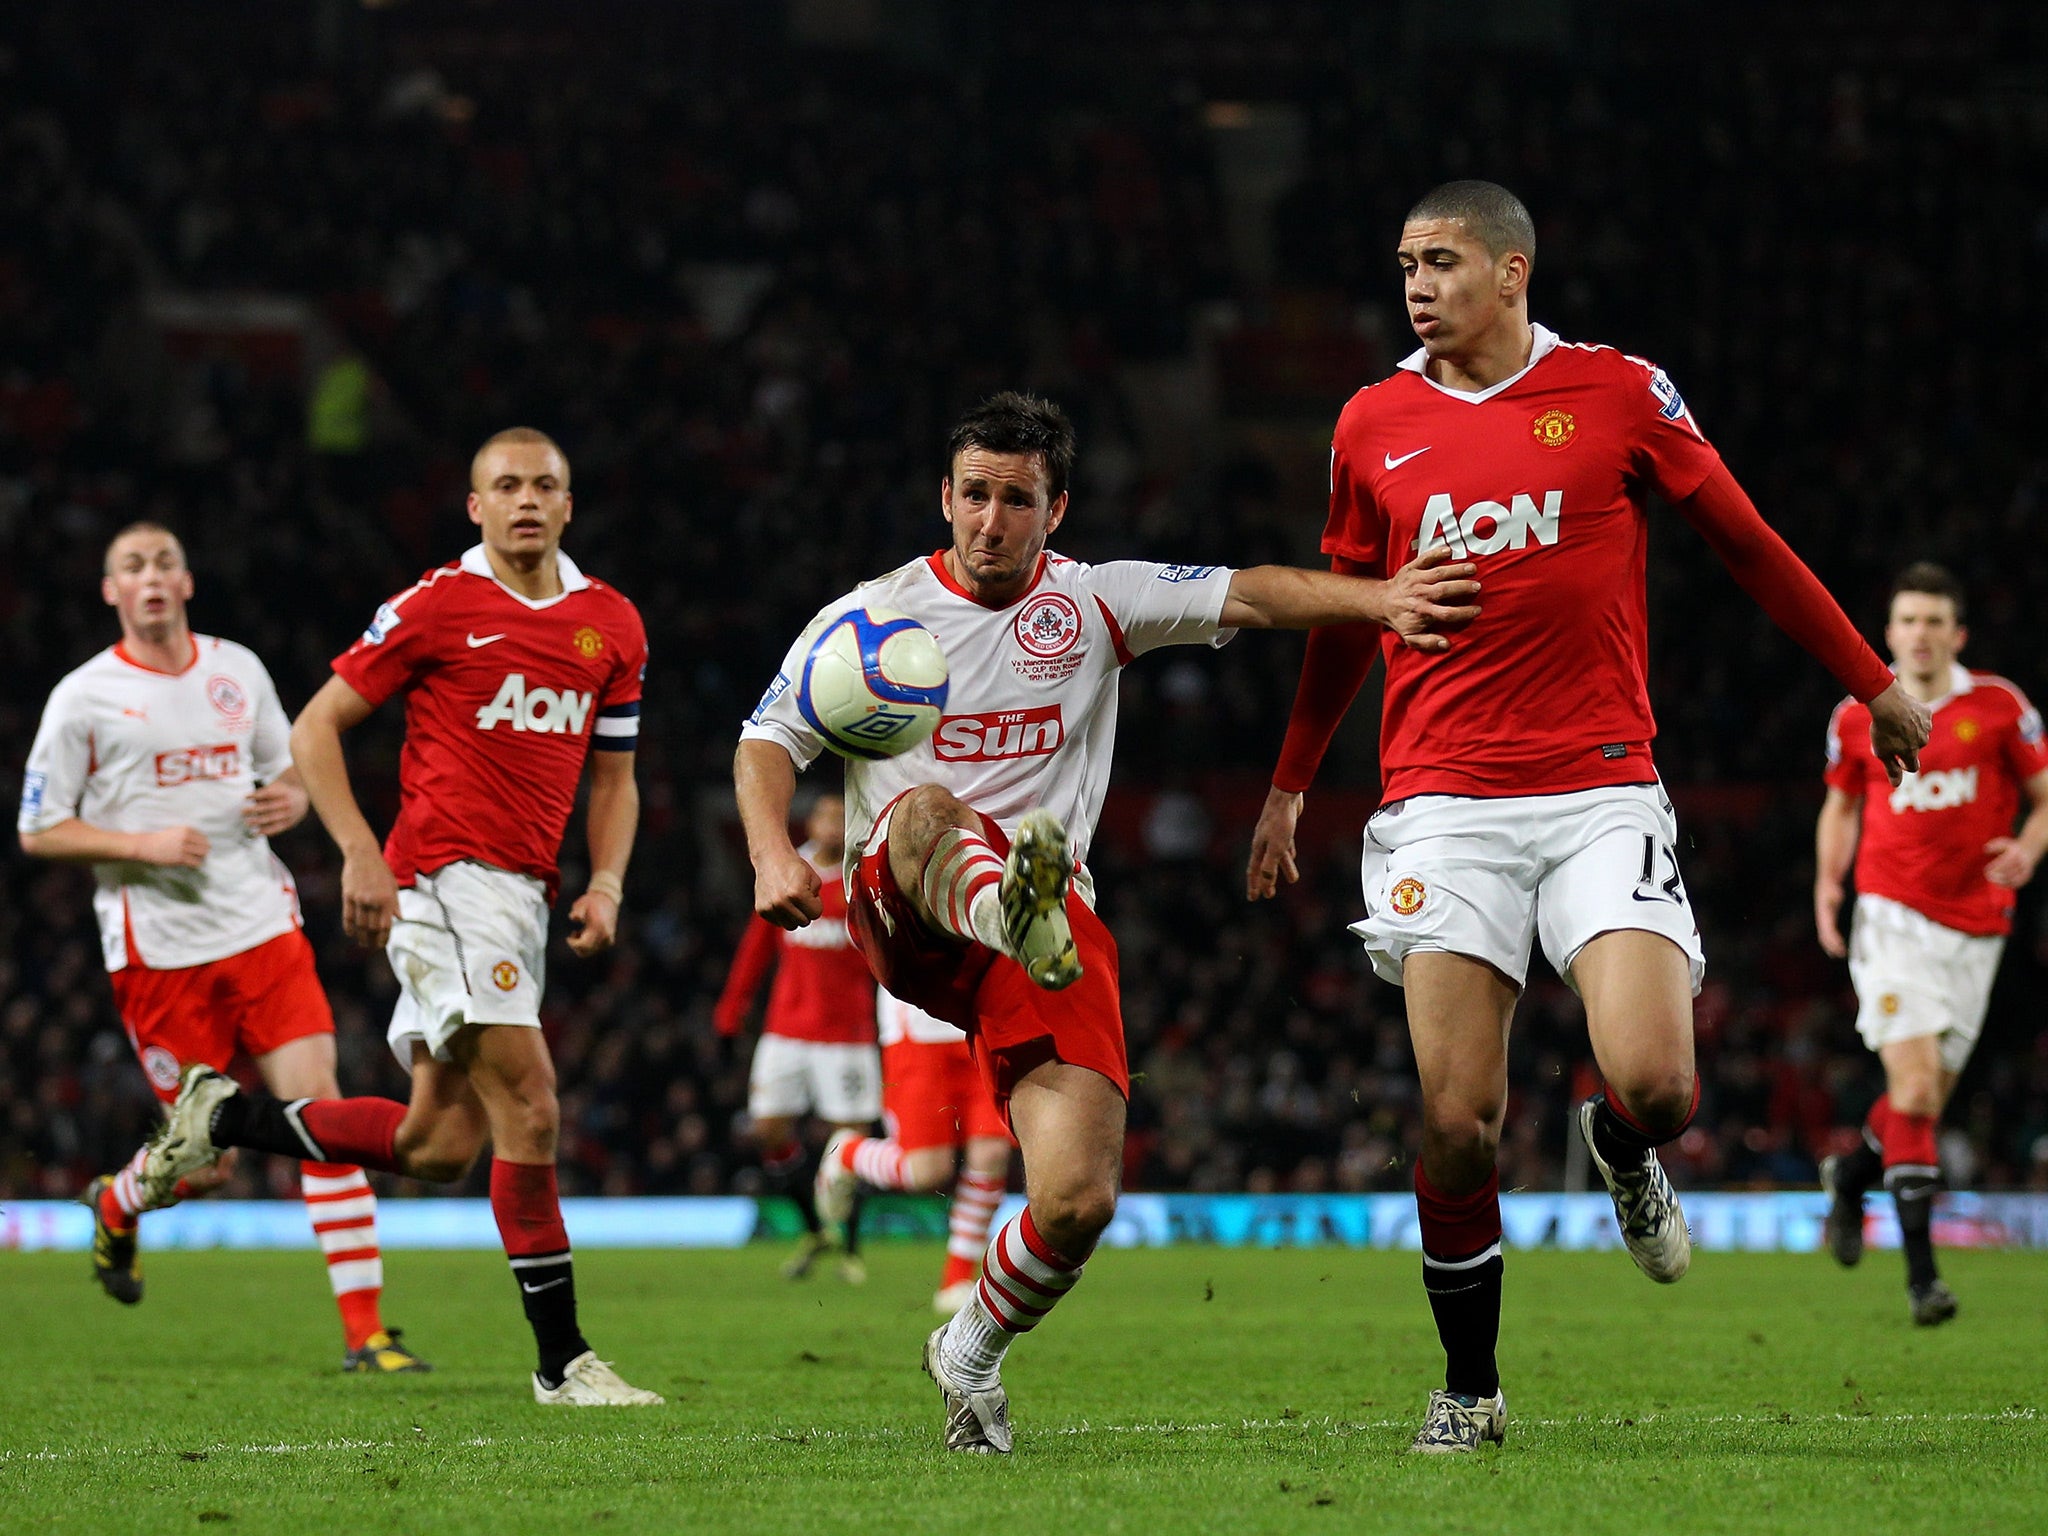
{"x":1916,"y":1090}
{"x":1015,"y":904}
{"x":343,"y":1211}
{"x":1637,"y":987}
{"x":1069,"y":1122}
{"x":1458,"y":1014}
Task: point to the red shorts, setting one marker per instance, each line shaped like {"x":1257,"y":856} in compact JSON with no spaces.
{"x":253,"y":1002}
{"x":1012,"y":1025}
{"x":933,"y":1095}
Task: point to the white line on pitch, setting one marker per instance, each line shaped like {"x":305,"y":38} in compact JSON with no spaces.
{"x":1318,"y":1425}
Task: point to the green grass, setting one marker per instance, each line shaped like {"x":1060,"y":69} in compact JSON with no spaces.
{"x":1179,"y":1390}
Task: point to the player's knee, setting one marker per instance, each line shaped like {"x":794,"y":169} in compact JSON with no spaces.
{"x":1660,"y":1104}
{"x":1071,"y":1219}
{"x":1462,"y":1136}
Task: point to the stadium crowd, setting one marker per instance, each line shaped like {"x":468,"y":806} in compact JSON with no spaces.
{"x":275,"y":282}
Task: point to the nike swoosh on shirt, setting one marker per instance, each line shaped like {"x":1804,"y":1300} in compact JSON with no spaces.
{"x":1394,"y":463}
{"x":543,"y":1286}
{"x":474,"y":642}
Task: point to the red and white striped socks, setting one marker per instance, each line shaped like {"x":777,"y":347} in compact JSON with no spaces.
{"x":1022,"y":1278}
{"x":962,"y":877}
{"x":344,"y":1213}
{"x":874,"y":1161}
{"x":122,"y":1201}
{"x":975,"y":1199}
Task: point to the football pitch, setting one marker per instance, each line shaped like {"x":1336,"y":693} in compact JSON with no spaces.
{"x":1178,"y":1389}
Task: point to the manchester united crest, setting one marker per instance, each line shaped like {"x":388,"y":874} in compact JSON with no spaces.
{"x":1966,"y":731}
{"x":504,"y":975}
{"x":588,"y":642}
{"x":1407,"y":896}
{"x":1554,"y":429}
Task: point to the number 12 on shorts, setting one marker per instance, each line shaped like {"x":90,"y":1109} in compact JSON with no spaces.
{"x":1648,"y":886}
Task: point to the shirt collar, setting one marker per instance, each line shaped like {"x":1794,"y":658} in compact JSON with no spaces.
{"x":1960,"y":682}
{"x":477,"y":563}
{"x":1545,"y":342}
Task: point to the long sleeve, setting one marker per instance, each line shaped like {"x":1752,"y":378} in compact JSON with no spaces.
{"x":1767,"y":569}
{"x":750,"y":967}
{"x":1335,"y":667}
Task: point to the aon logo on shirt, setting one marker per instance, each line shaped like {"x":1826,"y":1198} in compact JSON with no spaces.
{"x":534,"y":709}
{"x":822,"y":933}
{"x":1487,"y":527}
{"x":1936,"y":791}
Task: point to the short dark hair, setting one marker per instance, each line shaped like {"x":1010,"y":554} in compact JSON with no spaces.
{"x":141,"y":525}
{"x":1933,"y":580}
{"x":522,"y":436}
{"x":1014,"y":422}
{"x":1490,"y":212}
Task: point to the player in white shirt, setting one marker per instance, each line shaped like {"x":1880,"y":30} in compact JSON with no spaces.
{"x":962,"y":852}
{"x":165,"y":763}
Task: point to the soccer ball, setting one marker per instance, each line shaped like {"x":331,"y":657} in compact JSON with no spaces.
{"x":873,"y":684}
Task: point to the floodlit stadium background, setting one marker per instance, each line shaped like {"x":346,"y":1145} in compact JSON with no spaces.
{"x":273,"y":270}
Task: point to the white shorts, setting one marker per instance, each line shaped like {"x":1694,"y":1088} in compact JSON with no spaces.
{"x":827,"y":1078}
{"x":1916,"y":977}
{"x":469,"y":947}
{"x":1486,"y":877}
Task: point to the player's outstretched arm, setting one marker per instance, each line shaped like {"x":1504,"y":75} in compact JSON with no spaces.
{"x":611,"y":821}
{"x":2014,"y":859}
{"x":1834,"y":850}
{"x":1792,"y":595}
{"x":785,"y":886}
{"x":80,"y":842}
{"x":1430,"y":594}
{"x":369,"y":896}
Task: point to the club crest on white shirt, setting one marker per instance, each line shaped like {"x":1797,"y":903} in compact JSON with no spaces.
{"x":227,"y":696}
{"x":1047,"y":629}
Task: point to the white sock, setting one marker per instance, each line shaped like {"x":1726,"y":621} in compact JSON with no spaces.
{"x":963,"y":878}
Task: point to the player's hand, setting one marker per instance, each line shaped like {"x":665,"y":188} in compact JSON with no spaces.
{"x":275,"y":807}
{"x":1827,"y":917}
{"x":593,"y":924}
{"x":173,"y":848}
{"x":1429,"y":595}
{"x":1899,"y":727}
{"x":1273,"y":847}
{"x":786,"y":890}
{"x":369,"y":898}
{"x":2012,"y":862}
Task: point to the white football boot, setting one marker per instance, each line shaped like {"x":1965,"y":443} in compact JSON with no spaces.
{"x":1646,"y":1208}
{"x":1454,"y":1424}
{"x":976,"y":1422}
{"x":833,"y":1189}
{"x":591,"y":1383}
{"x":184,"y":1143}
{"x":1034,"y":899}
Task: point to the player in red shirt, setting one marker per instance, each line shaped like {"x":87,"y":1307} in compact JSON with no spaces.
{"x":1519,"y":797}
{"x":817,"y":1050}
{"x":514,"y":665}
{"x":1936,"y":870}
